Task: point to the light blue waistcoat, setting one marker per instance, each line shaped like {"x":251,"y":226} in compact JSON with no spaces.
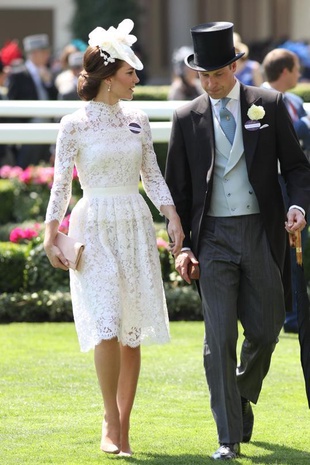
{"x":232,"y":193}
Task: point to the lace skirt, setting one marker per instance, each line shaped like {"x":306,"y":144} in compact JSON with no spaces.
{"x":118,"y":290}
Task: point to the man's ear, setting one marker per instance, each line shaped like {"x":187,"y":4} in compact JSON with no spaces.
{"x":285,"y":71}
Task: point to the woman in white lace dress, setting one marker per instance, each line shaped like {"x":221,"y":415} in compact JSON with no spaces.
{"x":117,"y":293}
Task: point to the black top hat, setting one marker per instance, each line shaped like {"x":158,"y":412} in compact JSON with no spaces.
{"x":213,"y":47}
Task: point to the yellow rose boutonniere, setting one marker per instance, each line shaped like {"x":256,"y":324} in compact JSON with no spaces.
{"x":255,"y":113}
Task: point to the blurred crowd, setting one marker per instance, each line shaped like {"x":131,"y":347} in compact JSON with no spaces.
{"x":31,"y":71}
{"x":185,"y":84}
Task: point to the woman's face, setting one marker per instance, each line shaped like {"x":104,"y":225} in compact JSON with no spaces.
{"x":123,"y":82}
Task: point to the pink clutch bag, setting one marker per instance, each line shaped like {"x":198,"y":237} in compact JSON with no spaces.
{"x":71,"y":249}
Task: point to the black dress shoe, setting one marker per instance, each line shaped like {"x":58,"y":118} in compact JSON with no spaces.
{"x":227,"y":452}
{"x":248,"y":419}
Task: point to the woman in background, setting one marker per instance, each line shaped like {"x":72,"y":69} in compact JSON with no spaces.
{"x":185,"y":82}
{"x":249,"y":72}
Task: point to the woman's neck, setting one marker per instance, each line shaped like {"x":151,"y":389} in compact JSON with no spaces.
{"x":106,"y":97}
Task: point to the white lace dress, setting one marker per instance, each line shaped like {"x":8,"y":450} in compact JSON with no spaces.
{"x":118,"y":290}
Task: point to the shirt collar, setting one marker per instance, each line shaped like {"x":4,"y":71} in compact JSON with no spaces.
{"x":266,"y":85}
{"x":32,"y":68}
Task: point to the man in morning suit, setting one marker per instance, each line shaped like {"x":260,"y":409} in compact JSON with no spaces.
{"x":222,"y":170}
{"x":33,"y":81}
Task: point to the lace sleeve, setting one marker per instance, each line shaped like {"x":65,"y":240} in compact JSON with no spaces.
{"x":153,"y":181}
{"x":66,"y":150}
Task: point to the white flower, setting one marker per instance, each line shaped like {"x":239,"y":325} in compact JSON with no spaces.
{"x":116,"y":42}
{"x":112,"y":38}
{"x":256,"y":112}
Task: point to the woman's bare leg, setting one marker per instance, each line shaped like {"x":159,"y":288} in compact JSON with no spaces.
{"x":107,"y":363}
{"x":126,"y":391}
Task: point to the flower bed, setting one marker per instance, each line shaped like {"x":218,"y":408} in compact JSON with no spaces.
{"x":32,"y":290}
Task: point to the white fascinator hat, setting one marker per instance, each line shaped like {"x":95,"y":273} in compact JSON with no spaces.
{"x":116,"y":43}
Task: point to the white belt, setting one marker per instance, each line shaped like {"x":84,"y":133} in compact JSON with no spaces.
{"x":106,"y":191}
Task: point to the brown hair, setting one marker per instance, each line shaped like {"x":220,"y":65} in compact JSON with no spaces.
{"x":276,"y":61}
{"x":94,"y":72}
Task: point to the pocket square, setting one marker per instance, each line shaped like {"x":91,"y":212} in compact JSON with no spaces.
{"x":71,"y":249}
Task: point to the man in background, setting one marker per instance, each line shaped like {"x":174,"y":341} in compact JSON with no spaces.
{"x":282,"y":71}
{"x":34,"y":81}
{"x":68,"y":90}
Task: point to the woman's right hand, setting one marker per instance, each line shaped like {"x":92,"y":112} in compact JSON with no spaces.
{"x":175,"y":230}
{"x":176,"y":234}
{"x":55,"y":256}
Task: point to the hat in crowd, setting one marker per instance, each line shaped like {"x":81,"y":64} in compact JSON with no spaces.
{"x":75,"y":60}
{"x":36,"y":42}
{"x":79,"y":44}
{"x":178,"y":57}
{"x":213,"y":46}
{"x":10,"y":52}
{"x":116,"y":43}
{"x":239,"y":45}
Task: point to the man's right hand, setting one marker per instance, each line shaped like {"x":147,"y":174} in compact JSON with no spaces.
{"x":182,"y":262}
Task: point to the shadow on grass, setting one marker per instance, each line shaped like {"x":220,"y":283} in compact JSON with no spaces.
{"x":272,"y":454}
{"x":280,"y":454}
{"x":181,"y":459}
{"x":162,"y":459}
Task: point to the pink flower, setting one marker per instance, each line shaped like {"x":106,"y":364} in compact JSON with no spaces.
{"x":9,"y":172}
{"x":64,"y":227}
{"x":45,"y":175}
{"x":161,"y":243}
{"x":30,"y":175}
{"x":26,"y":175}
{"x":30,"y":233}
{"x":18,"y":234}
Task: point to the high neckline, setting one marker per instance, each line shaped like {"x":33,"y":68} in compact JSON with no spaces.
{"x":105,"y":105}
{"x":102,"y":108}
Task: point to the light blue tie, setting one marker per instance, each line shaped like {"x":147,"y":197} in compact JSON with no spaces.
{"x":227,"y":120}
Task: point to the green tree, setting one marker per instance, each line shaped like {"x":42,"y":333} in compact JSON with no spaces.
{"x":105,"y":13}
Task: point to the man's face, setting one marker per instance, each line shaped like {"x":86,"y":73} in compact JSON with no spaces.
{"x":218,"y":83}
{"x":40,"y":57}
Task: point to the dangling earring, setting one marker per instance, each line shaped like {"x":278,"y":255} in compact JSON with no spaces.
{"x":109,"y":87}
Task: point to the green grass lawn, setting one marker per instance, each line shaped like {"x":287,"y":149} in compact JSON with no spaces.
{"x":51,"y":410}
